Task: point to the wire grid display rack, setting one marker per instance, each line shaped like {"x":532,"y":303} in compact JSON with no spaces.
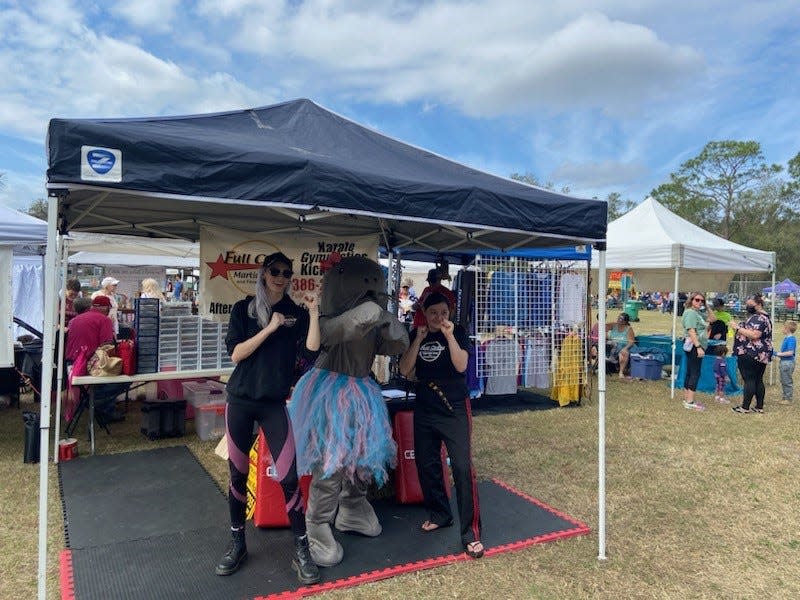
{"x":530,"y":325}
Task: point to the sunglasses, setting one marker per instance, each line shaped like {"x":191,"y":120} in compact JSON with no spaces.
{"x":698,"y":300}
{"x":276,"y":272}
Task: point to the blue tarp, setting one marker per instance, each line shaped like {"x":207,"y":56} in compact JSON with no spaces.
{"x":707,"y":383}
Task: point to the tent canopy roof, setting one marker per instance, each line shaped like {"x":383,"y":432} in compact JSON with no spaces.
{"x":295,"y":166}
{"x":18,"y":229}
{"x":650,"y":236}
{"x":787,"y":286}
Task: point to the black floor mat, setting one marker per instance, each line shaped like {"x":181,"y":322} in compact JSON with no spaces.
{"x":120,"y":549}
{"x":522,"y":400}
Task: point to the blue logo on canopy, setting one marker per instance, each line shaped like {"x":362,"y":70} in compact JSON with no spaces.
{"x":101,"y":161}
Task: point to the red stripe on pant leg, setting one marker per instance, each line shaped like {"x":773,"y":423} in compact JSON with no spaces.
{"x":476,"y":509}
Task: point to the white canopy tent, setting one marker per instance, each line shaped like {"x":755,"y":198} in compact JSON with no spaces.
{"x":125,"y":248}
{"x":134,"y":260}
{"x":22,"y":242}
{"x":653,"y":242}
{"x":664,"y":251}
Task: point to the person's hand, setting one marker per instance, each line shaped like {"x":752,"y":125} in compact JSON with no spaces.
{"x":312,"y":303}
{"x":700,"y":351}
{"x":422,"y":331}
{"x":447,"y":328}
{"x":276,"y":321}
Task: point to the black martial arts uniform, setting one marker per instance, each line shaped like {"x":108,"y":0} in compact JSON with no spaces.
{"x":442,"y":414}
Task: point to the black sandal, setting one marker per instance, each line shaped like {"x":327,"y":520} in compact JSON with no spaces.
{"x":472,"y":551}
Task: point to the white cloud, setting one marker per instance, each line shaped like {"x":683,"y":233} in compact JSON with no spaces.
{"x":598,"y":174}
{"x":487,"y":58}
{"x":155,"y":15}
{"x":73,"y":71}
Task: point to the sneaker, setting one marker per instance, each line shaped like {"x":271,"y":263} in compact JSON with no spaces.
{"x":693,"y":405}
{"x":741,"y":410}
{"x":785,"y":402}
{"x":760,"y":411}
{"x":723,"y":400}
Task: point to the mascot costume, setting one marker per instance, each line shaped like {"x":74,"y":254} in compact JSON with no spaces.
{"x":341,"y":425}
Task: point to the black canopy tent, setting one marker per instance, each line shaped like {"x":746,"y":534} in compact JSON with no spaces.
{"x":305,"y":164}
{"x":284,"y":168}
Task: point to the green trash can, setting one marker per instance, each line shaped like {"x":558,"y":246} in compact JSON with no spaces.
{"x":632,"y":308}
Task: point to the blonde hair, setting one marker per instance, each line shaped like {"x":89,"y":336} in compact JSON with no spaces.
{"x":151,"y":288}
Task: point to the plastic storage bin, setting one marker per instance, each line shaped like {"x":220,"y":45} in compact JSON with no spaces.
{"x":198,"y":393}
{"x":209,"y":421}
{"x":645,"y":368}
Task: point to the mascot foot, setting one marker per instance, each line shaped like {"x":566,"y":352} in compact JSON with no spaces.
{"x":359,"y":517}
{"x":325,"y":550}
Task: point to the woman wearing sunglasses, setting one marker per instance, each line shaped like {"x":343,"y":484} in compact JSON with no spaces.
{"x":264,"y":339}
{"x":695,"y":343}
{"x":752,"y":347}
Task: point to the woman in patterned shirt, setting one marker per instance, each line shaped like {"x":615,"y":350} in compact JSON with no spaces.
{"x":752,"y":347}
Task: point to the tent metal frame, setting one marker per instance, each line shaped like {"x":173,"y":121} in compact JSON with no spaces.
{"x":83,"y":213}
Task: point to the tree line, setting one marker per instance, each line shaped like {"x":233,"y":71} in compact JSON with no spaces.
{"x":730,"y":190}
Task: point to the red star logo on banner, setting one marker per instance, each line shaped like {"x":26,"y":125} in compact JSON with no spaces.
{"x":220,"y":268}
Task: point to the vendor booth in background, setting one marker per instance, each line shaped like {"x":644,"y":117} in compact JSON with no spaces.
{"x":667,"y":252}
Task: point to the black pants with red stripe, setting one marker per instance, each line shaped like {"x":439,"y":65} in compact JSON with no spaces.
{"x":432,"y":426}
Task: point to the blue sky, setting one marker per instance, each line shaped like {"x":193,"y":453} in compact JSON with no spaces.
{"x":601,"y":96}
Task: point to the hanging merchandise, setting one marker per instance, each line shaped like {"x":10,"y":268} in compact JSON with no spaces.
{"x":568,"y":377}
{"x":530,"y":325}
{"x":572,"y":298}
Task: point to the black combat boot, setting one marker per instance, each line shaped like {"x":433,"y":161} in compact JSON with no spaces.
{"x":307,"y":571}
{"x":235,"y":555}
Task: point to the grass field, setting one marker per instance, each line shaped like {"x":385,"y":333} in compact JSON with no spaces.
{"x":700,"y":504}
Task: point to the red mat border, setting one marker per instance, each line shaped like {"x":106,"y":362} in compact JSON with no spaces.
{"x":579,"y":529}
{"x":66,"y":575}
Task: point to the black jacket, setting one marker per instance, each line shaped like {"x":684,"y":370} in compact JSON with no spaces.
{"x":268,"y":373}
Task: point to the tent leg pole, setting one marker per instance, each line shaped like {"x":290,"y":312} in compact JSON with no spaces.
{"x":601,"y":408}
{"x":772,"y":317}
{"x":61,"y":340}
{"x":674,"y":330}
{"x":50,"y":294}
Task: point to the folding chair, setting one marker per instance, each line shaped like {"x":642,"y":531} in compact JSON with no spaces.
{"x":89,"y":397}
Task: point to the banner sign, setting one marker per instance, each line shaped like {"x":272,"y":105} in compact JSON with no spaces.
{"x":230,"y":260}
{"x":620,"y":280}
{"x":130,"y":281}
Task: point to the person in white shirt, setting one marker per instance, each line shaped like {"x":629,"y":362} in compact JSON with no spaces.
{"x":108,"y":287}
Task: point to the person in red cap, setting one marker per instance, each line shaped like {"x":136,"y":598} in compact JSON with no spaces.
{"x":88,"y":330}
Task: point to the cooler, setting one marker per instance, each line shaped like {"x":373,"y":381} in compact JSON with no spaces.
{"x":645,"y":368}
{"x":406,"y":485}
{"x":270,"y":507}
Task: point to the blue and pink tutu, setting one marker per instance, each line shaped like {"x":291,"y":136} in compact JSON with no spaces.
{"x":341,"y":423}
